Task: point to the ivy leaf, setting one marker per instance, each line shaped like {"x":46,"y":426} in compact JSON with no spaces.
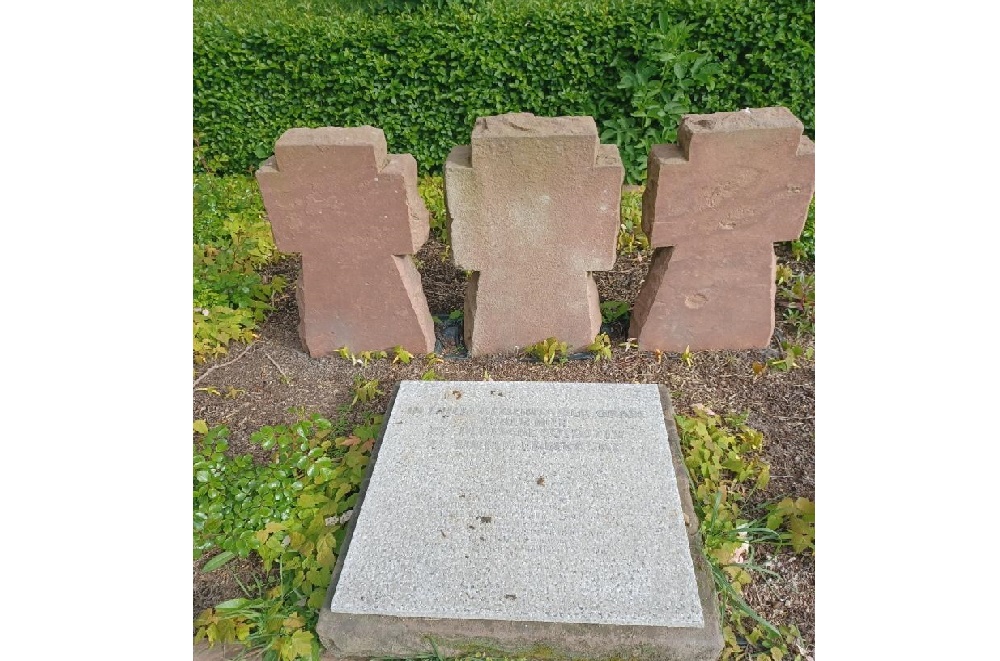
{"x":348,"y":442}
{"x":764,"y":478}
{"x":316,"y":599}
{"x":324,"y":550}
{"x":802,"y":534}
{"x":293,"y":621}
{"x":301,"y":646}
{"x":308,"y":500}
{"x":201,"y":426}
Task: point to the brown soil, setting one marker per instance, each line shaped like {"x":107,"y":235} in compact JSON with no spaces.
{"x":274,"y":374}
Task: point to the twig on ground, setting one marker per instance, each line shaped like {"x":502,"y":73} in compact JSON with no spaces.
{"x":215,"y":367}
{"x":273,"y":362}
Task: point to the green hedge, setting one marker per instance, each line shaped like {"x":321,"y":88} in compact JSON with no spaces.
{"x":423,"y":76}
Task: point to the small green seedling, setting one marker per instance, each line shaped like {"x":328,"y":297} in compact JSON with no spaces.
{"x":233,"y":393}
{"x":362,"y":358}
{"x":401,"y":355}
{"x":549,"y":350}
{"x":368,"y":356}
{"x":346,"y":354}
{"x":793,"y":352}
{"x":365,"y":390}
{"x":631,"y":238}
{"x":601,"y":347}
{"x":783,"y":274}
{"x":431,"y":190}
{"x":687,"y":357}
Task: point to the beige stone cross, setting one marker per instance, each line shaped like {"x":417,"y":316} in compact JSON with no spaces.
{"x":533,"y":207}
{"x":353,"y":211}
{"x":714,"y":205}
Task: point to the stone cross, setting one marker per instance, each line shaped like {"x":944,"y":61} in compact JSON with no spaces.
{"x":714,"y":204}
{"x":533,"y":207}
{"x":353,"y":211}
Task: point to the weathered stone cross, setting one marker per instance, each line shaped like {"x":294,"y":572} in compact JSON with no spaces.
{"x":533,"y":207}
{"x":353,"y":211}
{"x":714,"y":204}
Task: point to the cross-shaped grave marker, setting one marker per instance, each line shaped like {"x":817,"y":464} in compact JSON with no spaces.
{"x":714,"y":205}
{"x":353,"y":211}
{"x":533,"y":208}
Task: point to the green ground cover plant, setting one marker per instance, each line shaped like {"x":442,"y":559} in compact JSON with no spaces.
{"x":723,"y":456}
{"x":290,"y":513}
{"x":631,"y":238}
{"x":232,"y":241}
{"x":431,"y":189}
{"x":423,"y":72}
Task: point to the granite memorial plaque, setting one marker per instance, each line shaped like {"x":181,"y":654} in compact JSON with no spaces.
{"x":513,"y":515}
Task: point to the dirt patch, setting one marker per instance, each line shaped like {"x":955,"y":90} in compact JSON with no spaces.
{"x":275,"y":379}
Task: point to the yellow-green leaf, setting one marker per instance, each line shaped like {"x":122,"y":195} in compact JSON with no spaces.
{"x":316,"y":599}
{"x":293,"y":621}
{"x":764,"y":478}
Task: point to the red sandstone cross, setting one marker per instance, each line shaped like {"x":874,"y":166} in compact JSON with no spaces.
{"x":353,"y":211}
{"x":714,"y":204}
{"x":533,"y":208}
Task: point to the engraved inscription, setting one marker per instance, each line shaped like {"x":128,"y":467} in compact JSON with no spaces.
{"x":458,"y":426}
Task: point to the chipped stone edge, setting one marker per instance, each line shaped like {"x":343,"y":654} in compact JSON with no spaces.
{"x":390,"y":636}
